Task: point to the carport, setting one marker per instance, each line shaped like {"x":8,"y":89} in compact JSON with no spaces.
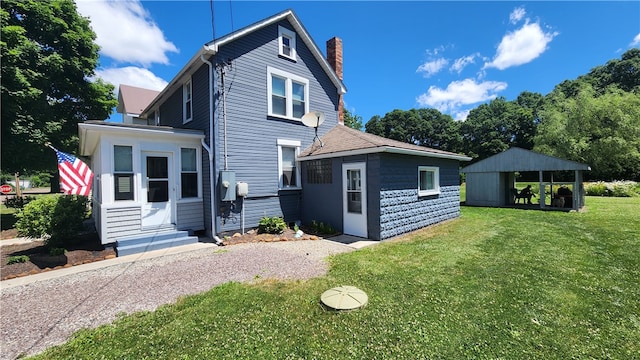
{"x":491,"y":182}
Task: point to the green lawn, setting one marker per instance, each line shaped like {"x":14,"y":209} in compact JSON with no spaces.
{"x":496,"y":283}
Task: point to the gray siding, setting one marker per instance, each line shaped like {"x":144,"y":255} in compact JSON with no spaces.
{"x":483,"y":189}
{"x":401,"y":209}
{"x":252,"y":135}
{"x":190,"y":216}
{"x":323,"y":202}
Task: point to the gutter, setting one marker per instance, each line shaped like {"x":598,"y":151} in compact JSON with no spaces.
{"x":209,"y":148}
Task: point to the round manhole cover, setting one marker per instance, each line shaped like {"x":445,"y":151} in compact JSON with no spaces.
{"x":344,"y":298}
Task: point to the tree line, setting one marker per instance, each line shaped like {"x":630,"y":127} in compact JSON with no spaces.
{"x":594,"y":119}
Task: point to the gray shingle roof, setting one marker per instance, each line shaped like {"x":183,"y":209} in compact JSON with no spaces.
{"x":343,"y":141}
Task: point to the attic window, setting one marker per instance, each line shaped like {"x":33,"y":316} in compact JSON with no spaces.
{"x":287,"y":43}
{"x":187,"y":111}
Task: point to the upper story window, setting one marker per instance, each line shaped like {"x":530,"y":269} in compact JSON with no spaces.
{"x":288,"y":166}
{"x":428,"y":180}
{"x":288,"y":94}
{"x":287,"y":43}
{"x":188,"y":173}
{"x":187,"y":110}
{"x":123,"y":172}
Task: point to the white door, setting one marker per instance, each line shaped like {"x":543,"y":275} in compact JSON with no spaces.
{"x":354,"y":194}
{"x":157,"y":190}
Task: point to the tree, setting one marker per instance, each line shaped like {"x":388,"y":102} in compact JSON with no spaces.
{"x":601,"y":131}
{"x":48,"y":58}
{"x":425,"y":127}
{"x":352,"y":120}
{"x":500,"y":124}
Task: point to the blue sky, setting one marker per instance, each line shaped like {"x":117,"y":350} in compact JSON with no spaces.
{"x":452,"y":56}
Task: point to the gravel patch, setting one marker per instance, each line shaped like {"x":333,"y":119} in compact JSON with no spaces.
{"x":36,"y":316}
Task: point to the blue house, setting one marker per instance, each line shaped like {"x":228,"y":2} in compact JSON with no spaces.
{"x":229,"y":146}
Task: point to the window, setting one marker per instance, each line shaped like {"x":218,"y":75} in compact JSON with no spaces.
{"x":287,"y":43}
{"x":123,"y":172}
{"x":288,"y":94}
{"x":319,"y":171}
{"x":428,"y":180}
{"x":288,"y":168}
{"x":187,"y":111}
{"x":188,"y":173}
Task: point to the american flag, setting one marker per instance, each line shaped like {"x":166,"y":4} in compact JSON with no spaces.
{"x":75,"y":175}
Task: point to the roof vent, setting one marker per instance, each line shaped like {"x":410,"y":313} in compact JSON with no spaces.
{"x":344,"y":298}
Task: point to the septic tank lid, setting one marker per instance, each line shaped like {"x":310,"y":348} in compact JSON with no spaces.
{"x":344,"y":298}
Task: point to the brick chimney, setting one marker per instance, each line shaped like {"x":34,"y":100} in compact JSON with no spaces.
{"x":334,"y":57}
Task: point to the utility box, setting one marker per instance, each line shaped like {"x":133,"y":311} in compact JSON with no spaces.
{"x":227,"y":186}
{"x":243,"y":189}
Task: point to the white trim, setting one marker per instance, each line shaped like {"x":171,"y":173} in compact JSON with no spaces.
{"x":436,"y":180}
{"x":187,"y":97}
{"x":354,"y":223}
{"x":289,"y":80}
{"x":198,"y":172}
{"x":282,"y":33}
{"x":289,"y":144}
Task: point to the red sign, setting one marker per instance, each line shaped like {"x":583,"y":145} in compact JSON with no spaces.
{"x":6,"y":189}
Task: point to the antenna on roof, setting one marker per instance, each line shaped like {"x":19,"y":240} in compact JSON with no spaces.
{"x":314,"y":119}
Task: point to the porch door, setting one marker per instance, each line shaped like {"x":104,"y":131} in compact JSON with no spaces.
{"x":354,"y":190}
{"x":158,"y":190}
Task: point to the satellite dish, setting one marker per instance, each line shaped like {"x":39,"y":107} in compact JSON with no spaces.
{"x":313,"y":119}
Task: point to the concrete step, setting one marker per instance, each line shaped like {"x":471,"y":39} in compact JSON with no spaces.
{"x":156,"y":241}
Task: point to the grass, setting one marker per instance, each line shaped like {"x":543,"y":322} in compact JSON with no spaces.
{"x":496,"y":283}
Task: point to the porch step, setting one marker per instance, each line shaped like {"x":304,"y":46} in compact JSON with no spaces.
{"x":154,"y":241}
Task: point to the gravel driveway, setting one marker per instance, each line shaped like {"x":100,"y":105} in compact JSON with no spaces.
{"x":36,"y":316}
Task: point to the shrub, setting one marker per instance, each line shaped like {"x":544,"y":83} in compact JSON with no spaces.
{"x":57,"y":251}
{"x":18,"y":202}
{"x":41,"y":180}
{"x":596,"y":189}
{"x":55,"y":218}
{"x":321,"y":228}
{"x":272,"y":225}
{"x":17,"y":259}
{"x":614,"y":188}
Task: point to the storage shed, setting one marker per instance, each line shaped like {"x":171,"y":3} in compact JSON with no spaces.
{"x":492,"y":181}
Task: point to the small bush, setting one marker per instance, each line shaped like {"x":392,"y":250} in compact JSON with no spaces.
{"x":614,"y":188}
{"x":57,"y":251}
{"x":18,"y":202}
{"x":41,"y":180}
{"x":55,"y":218}
{"x":322,"y":228}
{"x":272,"y":225}
{"x":17,"y":259}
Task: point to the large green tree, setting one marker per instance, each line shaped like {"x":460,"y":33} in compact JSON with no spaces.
{"x":353,"y":121}
{"x":48,"y":59}
{"x":500,"y":124}
{"x":425,"y":127}
{"x":601,"y":131}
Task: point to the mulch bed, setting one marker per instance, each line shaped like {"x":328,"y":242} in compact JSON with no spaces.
{"x":89,"y":249}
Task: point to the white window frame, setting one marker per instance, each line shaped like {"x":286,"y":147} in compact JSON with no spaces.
{"x":436,"y":180}
{"x":187,"y":98}
{"x":289,"y":79}
{"x":196,"y":171}
{"x":289,"y":144}
{"x":286,"y":33}
{"x":131,"y":173}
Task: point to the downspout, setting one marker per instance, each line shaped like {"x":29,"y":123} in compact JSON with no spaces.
{"x":209,"y":149}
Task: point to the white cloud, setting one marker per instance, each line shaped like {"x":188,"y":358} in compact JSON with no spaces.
{"x":459,"y":93}
{"x":432,"y":67}
{"x":125,"y":32}
{"x":460,"y":63}
{"x":636,"y":40}
{"x":460,"y":115}
{"x":517,"y":14}
{"x":521,"y":46}
{"x":131,"y":75}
